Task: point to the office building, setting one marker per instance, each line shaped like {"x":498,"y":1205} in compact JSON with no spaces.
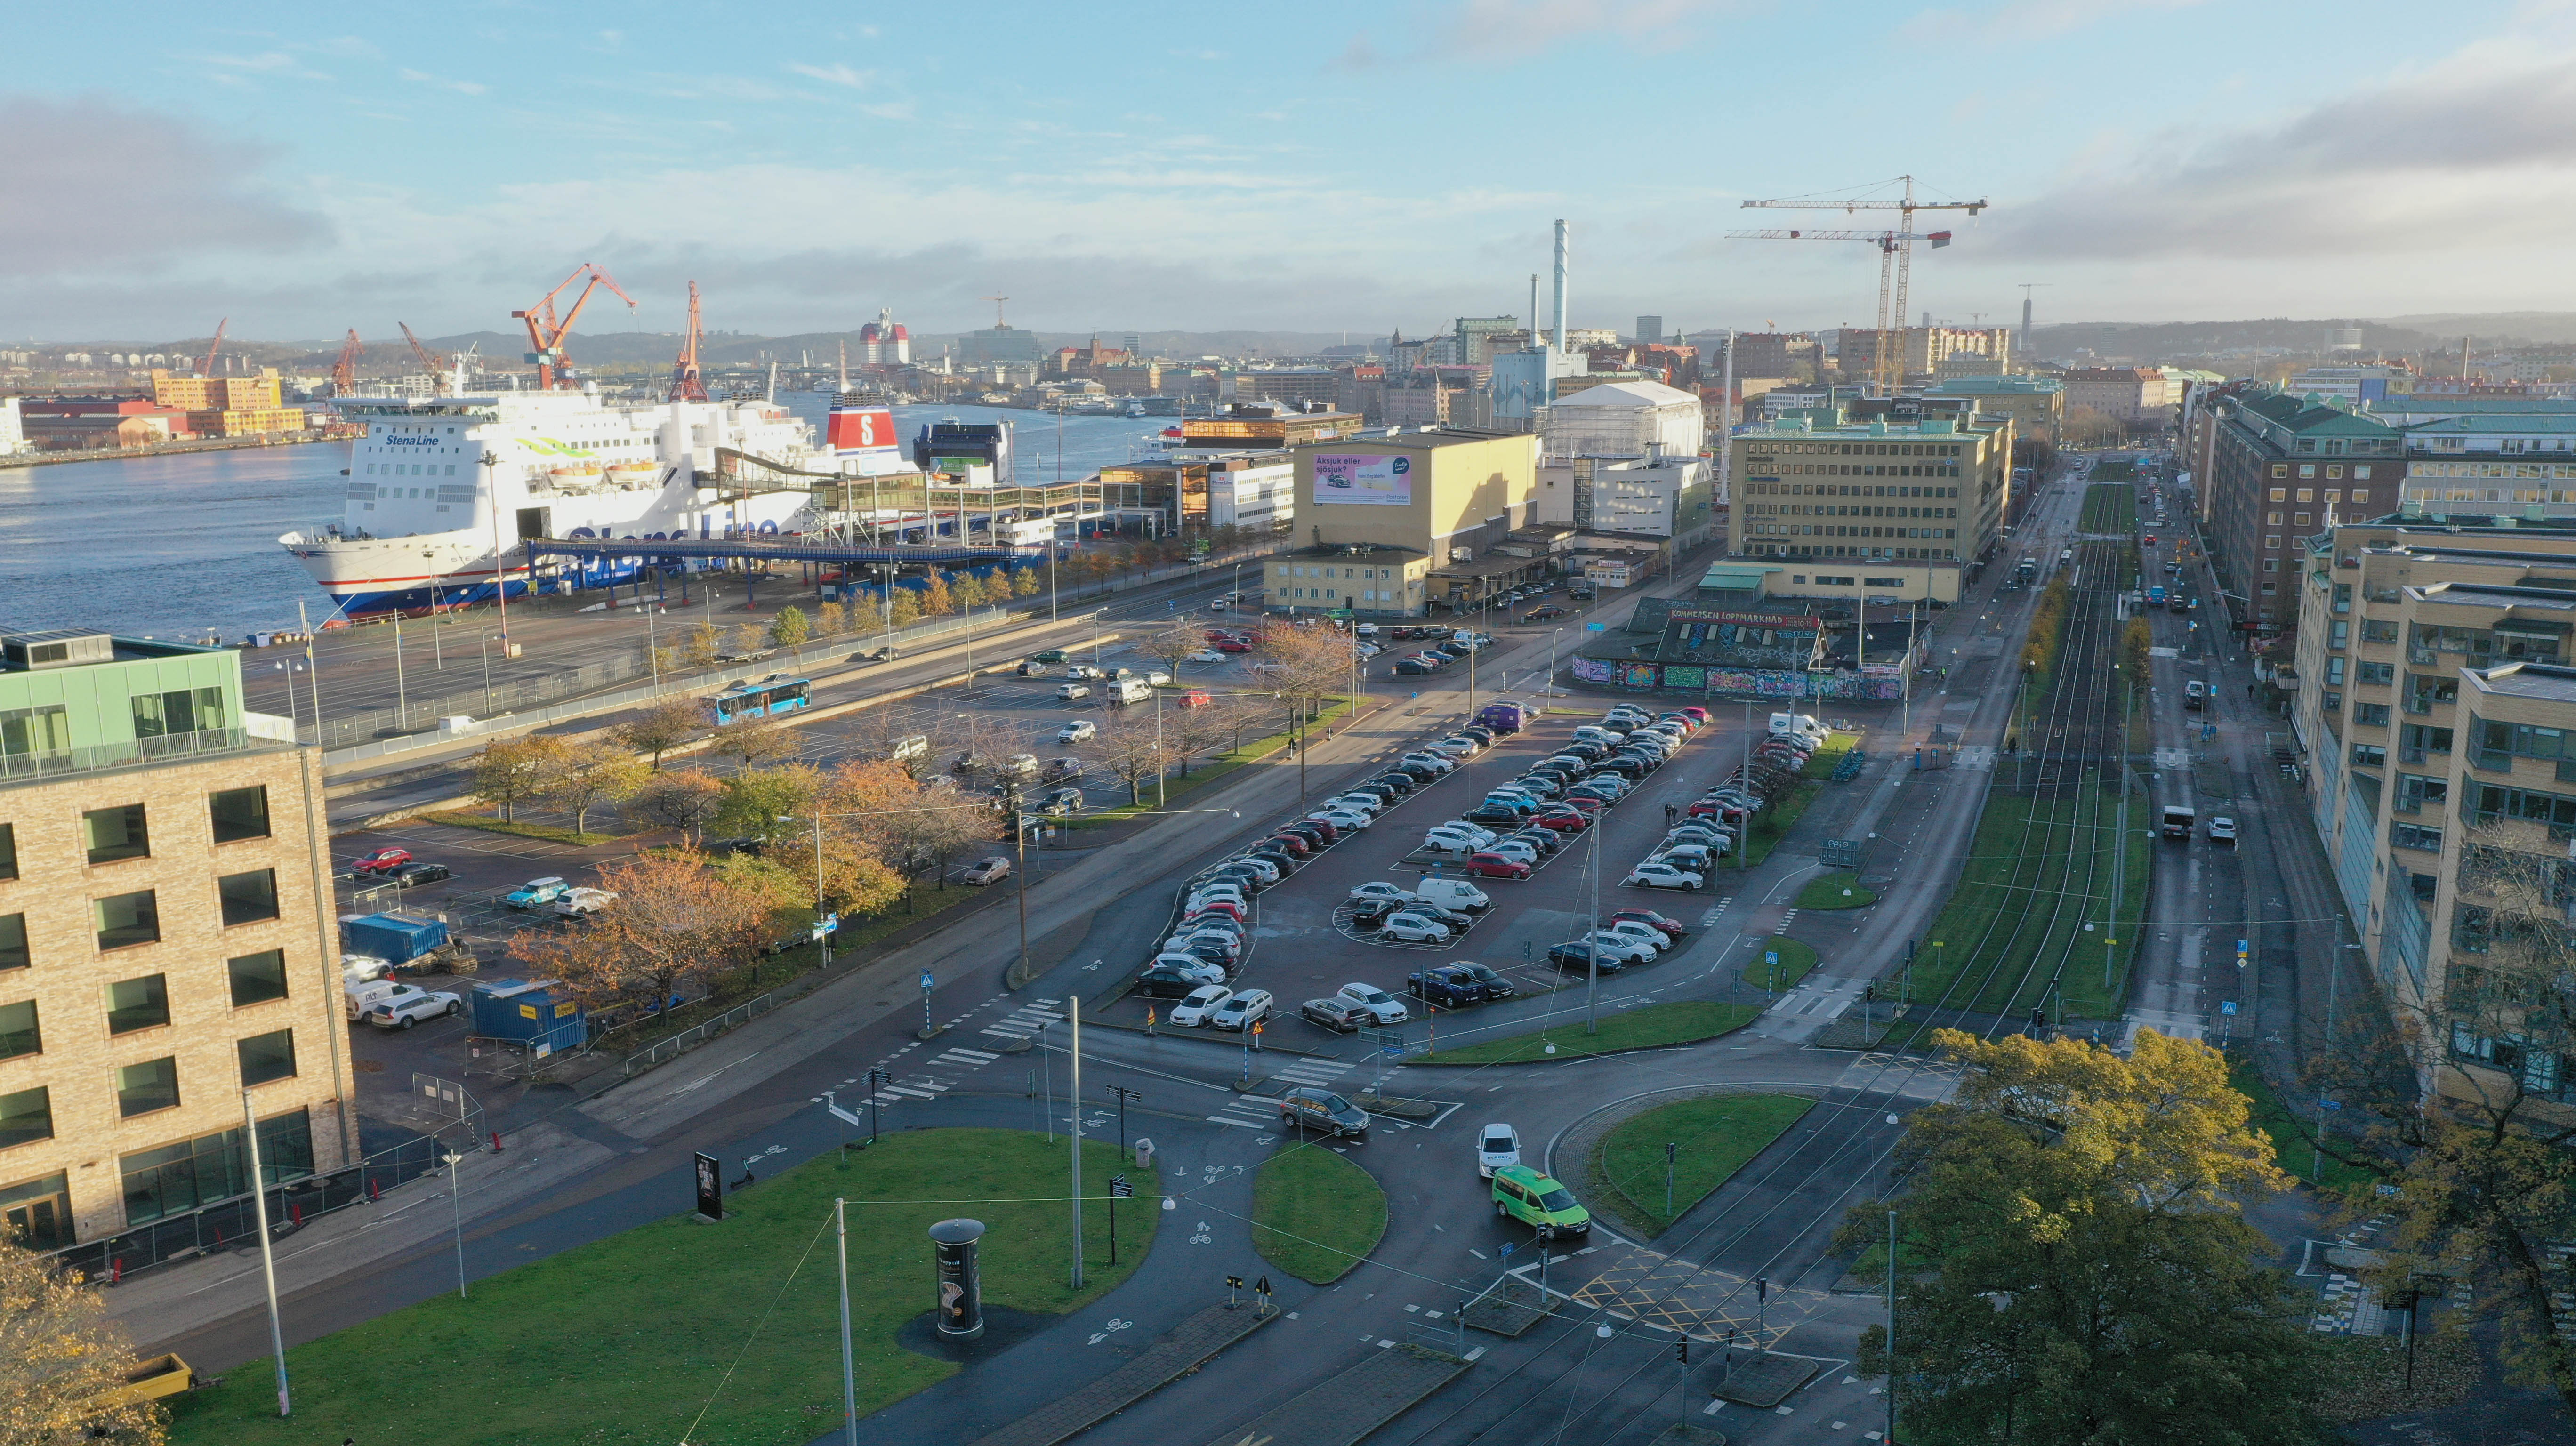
{"x":1650,"y":330}
{"x":2139,"y":396}
{"x":1266,"y":426}
{"x":2036,"y":404}
{"x":2521,"y":464}
{"x":166,"y":940}
{"x":1923,"y":500}
{"x":2279,"y":468}
{"x":1472,"y":339}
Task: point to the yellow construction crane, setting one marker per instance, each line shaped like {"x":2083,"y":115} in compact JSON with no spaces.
{"x":1895,"y":260}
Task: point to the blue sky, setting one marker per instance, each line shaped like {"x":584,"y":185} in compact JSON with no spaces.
{"x":307,"y":168}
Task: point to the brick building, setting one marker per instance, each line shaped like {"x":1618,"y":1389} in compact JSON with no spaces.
{"x":2280,"y":468}
{"x":2138,"y":395}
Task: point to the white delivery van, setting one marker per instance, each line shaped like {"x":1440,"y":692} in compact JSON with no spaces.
{"x":1798,"y":724}
{"x":356,"y":995}
{"x":1452,"y":894}
{"x":1130,"y":690}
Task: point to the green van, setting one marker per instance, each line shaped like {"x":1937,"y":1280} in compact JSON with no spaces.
{"x":1525,"y":1195}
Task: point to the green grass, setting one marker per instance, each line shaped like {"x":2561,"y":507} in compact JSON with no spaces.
{"x":1716,"y":1137}
{"x":628,"y":1338}
{"x":1829,"y":754}
{"x":493,"y":823}
{"x":1314,"y":1214}
{"x":1838,"y":890}
{"x":2293,"y":1136}
{"x":2109,"y":507}
{"x":1648,"y":1027}
{"x":1795,"y":960}
{"x":1773,"y":824}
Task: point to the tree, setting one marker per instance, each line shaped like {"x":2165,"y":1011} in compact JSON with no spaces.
{"x":936,"y":600}
{"x":967,"y":591}
{"x":1172,"y":644}
{"x":1129,"y":746}
{"x":755,"y":741}
{"x":662,"y":727}
{"x":2134,"y":642}
{"x":589,"y":775}
{"x":1311,"y":663}
{"x":907,"y":608}
{"x":510,"y":771}
{"x":59,"y":1350}
{"x":701,"y":645}
{"x":747,"y":639}
{"x":789,"y":629}
{"x":2074,"y":1263}
{"x":2091,"y":427}
{"x":831,"y":619}
{"x":675,"y":926}
{"x":757,"y":798}
{"x":939,"y":828}
{"x":1239,"y":714}
{"x":685,"y":800}
{"x":1024,"y":582}
{"x":1189,"y":732}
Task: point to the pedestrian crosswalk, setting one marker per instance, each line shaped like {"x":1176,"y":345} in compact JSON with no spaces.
{"x":909,"y":1077}
{"x":1259,"y":1112}
{"x":1026,"y":1020}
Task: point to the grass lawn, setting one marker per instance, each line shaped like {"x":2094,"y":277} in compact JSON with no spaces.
{"x":2109,"y":507}
{"x":1642,"y":1028}
{"x":1773,"y":824}
{"x":1795,"y":960}
{"x":627,"y":1339}
{"x":1838,"y":890}
{"x":2293,"y":1136}
{"x":1315,"y":1214}
{"x":494,"y":823}
{"x":1716,"y":1135}
{"x":1829,"y":755}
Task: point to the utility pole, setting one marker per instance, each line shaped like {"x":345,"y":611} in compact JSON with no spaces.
{"x":267,"y":1257}
{"x":1073,"y":1133}
{"x":1891,"y":1327}
{"x":1592,"y":944}
{"x":849,"y":1374}
{"x":1020,"y":832}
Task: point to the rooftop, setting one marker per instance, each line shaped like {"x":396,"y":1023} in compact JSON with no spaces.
{"x":1995,"y":386}
{"x":1409,"y":439}
{"x":2513,"y":424}
{"x":2548,"y":682}
{"x":1626,"y":394}
{"x":1358,"y":551}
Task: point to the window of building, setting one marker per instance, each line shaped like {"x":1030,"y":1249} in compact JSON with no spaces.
{"x":18,"y":1032}
{"x":265,"y":1057}
{"x":2270,"y":589}
{"x":13,"y":941}
{"x":2370,"y":672}
{"x":2307,"y":470}
{"x":134,"y":1004}
{"x":2415,"y":836}
{"x":2271,"y":564}
{"x":2378,"y":630}
{"x":176,"y":1179}
{"x":2272,"y":540}
{"x":2302,"y":522}
{"x":2280,"y":494}
{"x":2307,"y":494}
{"x":248,"y":897}
{"x":43,"y":732}
{"x":258,"y":978}
{"x":2369,"y":755}
{"x":240,"y":813}
{"x":2334,"y":671}
{"x":26,"y":1117}
{"x":182,"y":710}
{"x":2279,"y":469}
{"x":2425,"y":738}
{"x":143,"y":1088}
{"x":2272,"y":519}
{"x":2333,"y":470}
{"x":116,"y":833}
{"x":2372,"y":713}
{"x":124,"y":920}
{"x":8,"y":851}
{"x":2495,"y":801}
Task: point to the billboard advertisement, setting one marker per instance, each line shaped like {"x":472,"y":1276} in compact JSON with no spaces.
{"x":1377,"y":480}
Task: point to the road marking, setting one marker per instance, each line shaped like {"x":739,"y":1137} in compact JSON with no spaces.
{"x":1240,"y":1124}
{"x":913,"y":1093}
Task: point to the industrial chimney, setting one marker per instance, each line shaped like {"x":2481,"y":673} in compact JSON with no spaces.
{"x":1558,"y":338}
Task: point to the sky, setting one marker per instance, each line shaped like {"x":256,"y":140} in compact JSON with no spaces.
{"x":304,"y":169}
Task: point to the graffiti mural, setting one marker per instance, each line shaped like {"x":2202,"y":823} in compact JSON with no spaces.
{"x":1596,"y":670}
{"x":1638,"y":675}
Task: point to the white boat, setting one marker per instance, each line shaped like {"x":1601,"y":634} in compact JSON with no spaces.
{"x":442,"y":489}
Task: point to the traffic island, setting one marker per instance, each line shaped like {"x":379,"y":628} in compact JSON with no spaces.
{"x":1314,"y":1214}
{"x":1711,"y":1138}
{"x":1165,"y":1361}
{"x":1839,"y":890}
{"x":1653,"y":1026}
{"x":1396,"y":1107}
{"x":1780,"y":964}
{"x":1761,"y":1378}
{"x":634,"y":1336}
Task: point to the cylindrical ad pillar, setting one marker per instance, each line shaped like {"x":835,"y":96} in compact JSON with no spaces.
{"x":961,"y":1291}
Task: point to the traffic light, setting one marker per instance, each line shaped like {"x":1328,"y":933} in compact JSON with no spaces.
{"x":1681,"y":1350}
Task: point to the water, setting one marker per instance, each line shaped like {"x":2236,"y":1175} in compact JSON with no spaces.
{"x":186,"y":545}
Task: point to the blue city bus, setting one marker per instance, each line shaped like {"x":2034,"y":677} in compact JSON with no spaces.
{"x":768,"y":698}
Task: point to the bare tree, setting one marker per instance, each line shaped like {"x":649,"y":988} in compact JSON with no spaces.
{"x":683,"y":799}
{"x":1310,"y":664}
{"x":1129,"y":747}
{"x":663,"y":726}
{"x":1173,"y":644}
{"x":1189,"y":732}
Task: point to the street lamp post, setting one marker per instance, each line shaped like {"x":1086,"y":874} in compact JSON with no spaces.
{"x":268,"y":1257}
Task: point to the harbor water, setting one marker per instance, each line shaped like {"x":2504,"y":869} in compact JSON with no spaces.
{"x":186,"y":546}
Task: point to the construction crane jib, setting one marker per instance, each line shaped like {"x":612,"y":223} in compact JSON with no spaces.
{"x":1895,"y":261}
{"x":546,"y":334}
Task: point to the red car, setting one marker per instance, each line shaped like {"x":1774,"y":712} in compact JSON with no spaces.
{"x":1671,"y":928}
{"x":1232,"y":645}
{"x":382,"y":861}
{"x":1697,"y":714}
{"x":1710,"y":808}
{"x":1584,"y":801}
{"x":1564,"y":820}
{"x":1331,"y":831}
{"x":1292,"y":843}
{"x":1495,"y":866}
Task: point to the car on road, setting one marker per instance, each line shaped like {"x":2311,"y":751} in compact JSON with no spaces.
{"x":1385,"y":1008}
{"x":413,"y":875}
{"x":2223,"y":831}
{"x":1032,"y":668}
{"x":1662,"y":876}
{"x":1233,"y":645}
{"x":1078,"y":731}
{"x":1498,"y":1147}
{"x":1242,"y":1011}
{"x":1205,"y":655}
{"x":382,"y":861}
{"x":408,"y":1006}
{"x":1542,"y":614}
{"x":1670,"y":927}
{"x":536,"y":893}
{"x":1072,"y":693}
{"x":1202,"y":1002}
{"x":1049,"y":655}
{"x":1334,"y":1013}
{"x":1306,"y":1108}
{"x":986,"y":871}
{"x":1535,"y":1200}
{"x":1086,"y":671}
{"x":1489,"y":864}
{"x":1171,"y":981}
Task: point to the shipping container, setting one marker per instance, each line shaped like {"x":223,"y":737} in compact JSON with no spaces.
{"x":399,"y":938}
{"x":529,"y":1012}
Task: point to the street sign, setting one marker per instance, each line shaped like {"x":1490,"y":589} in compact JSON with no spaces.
{"x":1508,"y":1247}
{"x":2227,"y":1006}
{"x":1596,"y":627}
{"x":1770,"y":956}
{"x":710,"y":1188}
{"x":926,"y":981}
{"x":2240,"y":946}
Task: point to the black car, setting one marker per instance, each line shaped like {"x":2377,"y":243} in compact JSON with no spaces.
{"x":411,"y":875}
{"x":1493,"y":983}
{"x":1410,"y":667}
{"x":1278,"y":858}
{"x":1379,"y":788}
{"x":1479,"y":732}
{"x":1163,"y":983}
{"x":1577,"y":959}
{"x":735,"y":845}
{"x":1446,"y":986}
{"x":1369,"y":913}
{"x":1448,"y":916}
{"x":1545,"y":840}
{"x":1491,"y":813}
{"x":1625,"y":765}
{"x":1420,"y":773}
{"x":1398,"y":783}
{"x":1313,"y":835}
{"x":1586,"y":749}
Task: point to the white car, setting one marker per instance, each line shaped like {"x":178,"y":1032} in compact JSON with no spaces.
{"x":1205,"y":655}
{"x":1448,"y":843}
{"x":1655,"y":940}
{"x":1368,"y":650}
{"x":1367,"y":803}
{"x":1497,"y":1146}
{"x":582,"y":903}
{"x":1240,"y":1011}
{"x":1436,"y":762}
{"x":2223,"y":830}
{"x":1157,"y":678}
{"x":1344,"y":818}
{"x":1662,"y":876}
{"x":1077,"y":731}
{"x":1385,"y":891}
{"x":1190,"y":966}
{"x":1620,"y":947}
{"x":1072,"y":691}
{"x":1383,"y":1007}
{"x":1414,"y":929}
{"x":1264,"y":869}
{"x":1459,"y":747}
{"x":409,"y":1006}
{"x":1202,"y":1002}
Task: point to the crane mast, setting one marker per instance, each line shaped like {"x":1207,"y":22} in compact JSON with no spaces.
{"x":1895,"y":263}
{"x":686,"y":386}
{"x":213,"y":347}
{"x":546,"y":334}
{"x":344,"y":372}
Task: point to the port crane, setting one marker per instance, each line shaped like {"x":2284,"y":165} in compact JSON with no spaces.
{"x":686,"y":385}
{"x":546,"y":334}
{"x":344,"y":372}
{"x":1895,"y":260}
{"x":213,"y":347}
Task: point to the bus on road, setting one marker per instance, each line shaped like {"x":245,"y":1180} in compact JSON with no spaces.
{"x":768,"y":698}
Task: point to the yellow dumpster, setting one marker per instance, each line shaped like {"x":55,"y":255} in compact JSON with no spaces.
{"x":150,"y":1381}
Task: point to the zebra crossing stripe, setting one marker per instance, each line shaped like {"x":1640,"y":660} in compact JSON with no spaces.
{"x":977,"y":1055}
{"x":1240,"y":1124}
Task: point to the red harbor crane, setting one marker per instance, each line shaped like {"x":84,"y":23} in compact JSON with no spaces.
{"x":213,"y":347}
{"x":546,"y":334}
{"x":685,"y":383}
{"x":428,"y":359}
{"x":344,"y":372}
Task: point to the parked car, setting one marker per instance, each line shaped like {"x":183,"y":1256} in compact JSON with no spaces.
{"x":1383,"y":890}
{"x":1491,"y":981}
{"x":536,"y":893}
{"x":1498,"y":1147}
{"x":1413,"y":929}
{"x":1662,"y":876}
{"x":1436,"y":762}
{"x":987,"y":870}
{"x":1700,"y":859}
{"x":1492,"y":865}
{"x":1306,"y":1108}
{"x":1168,"y":981}
{"x":1072,"y":692}
{"x":415,"y":874}
{"x":1655,"y":941}
{"x":1621,"y":947}
{"x":409,"y":1006}
{"x":1564,"y":818}
{"x":582,"y":903}
{"x":1202,"y":1002}
{"x":1334,"y":1013}
{"x":381,"y":861}
{"x":1671,"y":927}
{"x":1242,"y":1011}
{"x":1576,"y":958}
{"x":1197,"y":967}
{"x":1444,"y":987}
{"x":1292,"y":843}
{"x":1205,"y":655}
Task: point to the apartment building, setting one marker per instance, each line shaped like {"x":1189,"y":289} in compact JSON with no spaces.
{"x":2131,"y":394}
{"x":1925,"y":497}
{"x":166,"y":941}
{"x":2437,"y":703}
{"x":2037,"y":405}
{"x":2278,"y":468}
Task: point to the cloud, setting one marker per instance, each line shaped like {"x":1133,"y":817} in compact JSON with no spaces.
{"x":75,"y":207}
{"x":242,"y":69}
{"x":836,"y":74}
{"x":2028,"y":19}
{"x":1519,"y":29}
{"x":462,"y":87}
{"x":1359,"y":55}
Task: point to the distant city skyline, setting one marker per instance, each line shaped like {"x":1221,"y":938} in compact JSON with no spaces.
{"x":305,"y":169}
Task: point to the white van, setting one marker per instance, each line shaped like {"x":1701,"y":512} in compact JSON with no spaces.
{"x":356,"y":996}
{"x":1130,"y":690}
{"x":1799,"y":725}
{"x":1452,"y":894}
{"x":914,"y":746}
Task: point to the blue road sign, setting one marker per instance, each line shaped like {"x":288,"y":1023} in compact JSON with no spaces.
{"x":2240,"y":946}
{"x":1509,"y":1246}
{"x":2227,"y":1006}
{"x":1770,"y":956}
{"x":926,"y":981}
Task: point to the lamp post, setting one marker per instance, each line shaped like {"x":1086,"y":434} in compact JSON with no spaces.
{"x":268,"y":1257}
{"x":456,"y":1214}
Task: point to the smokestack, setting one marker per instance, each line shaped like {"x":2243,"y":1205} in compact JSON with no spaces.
{"x":2025,"y":323}
{"x":1533,"y":316}
{"x":1558,"y":340}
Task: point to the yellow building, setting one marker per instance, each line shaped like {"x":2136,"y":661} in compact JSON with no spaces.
{"x":247,"y":423}
{"x":219,"y":394}
{"x":1382,"y":513}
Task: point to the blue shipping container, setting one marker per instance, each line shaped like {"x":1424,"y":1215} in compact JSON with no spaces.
{"x":395,"y":938}
{"x":529,"y":1012}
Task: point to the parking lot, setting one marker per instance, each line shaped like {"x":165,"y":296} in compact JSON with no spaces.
{"x":1302,"y":942}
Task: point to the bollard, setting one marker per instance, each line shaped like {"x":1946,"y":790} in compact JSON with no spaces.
{"x":295,"y":1212}
{"x":496,"y":1142}
{"x":116,"y":1271}
{"x":375,"y":1193}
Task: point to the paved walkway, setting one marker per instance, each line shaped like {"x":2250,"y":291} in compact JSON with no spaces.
{"x":1344,"y":1407}
{"x":1197,"y":1338}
